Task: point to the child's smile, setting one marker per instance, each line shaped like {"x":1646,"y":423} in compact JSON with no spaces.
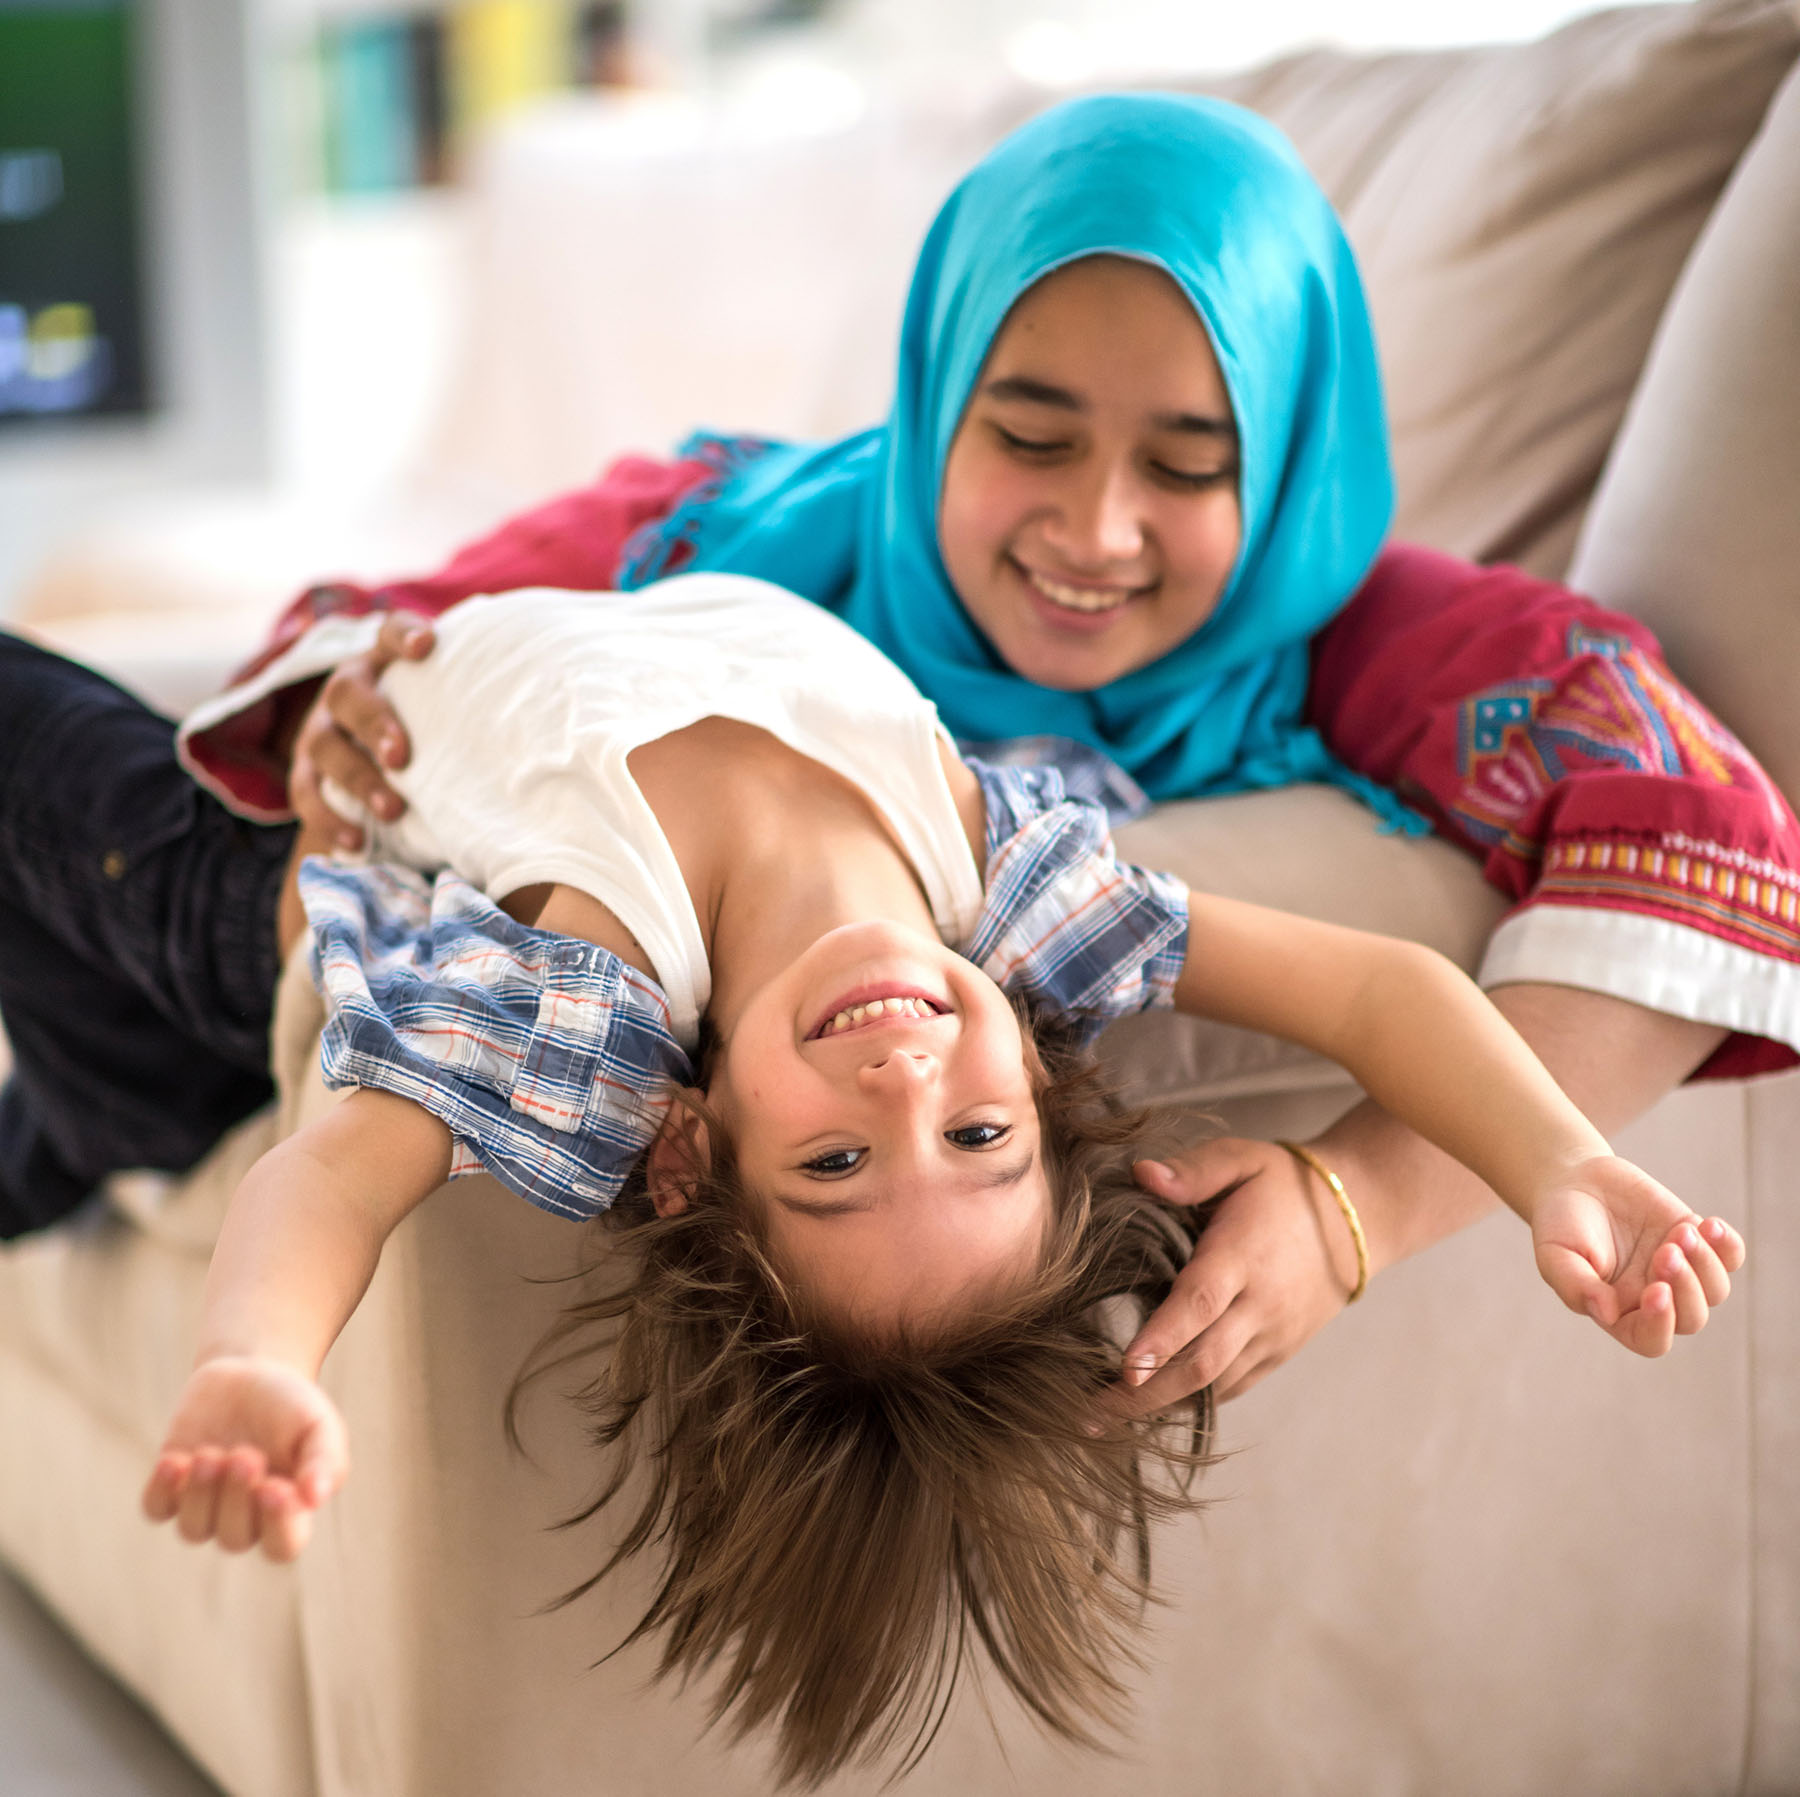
{"x":868,"y":1008}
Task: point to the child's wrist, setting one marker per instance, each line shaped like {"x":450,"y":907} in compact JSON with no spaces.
{"x":257,"y":1353}
{"x":1557,"y":1174}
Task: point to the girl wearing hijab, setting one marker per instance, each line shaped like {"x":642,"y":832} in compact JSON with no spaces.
{"x":1132,"y":497}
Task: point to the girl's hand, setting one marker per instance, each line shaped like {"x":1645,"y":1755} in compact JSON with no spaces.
{"x":352,"y":733}
{"x":1261,"y":1280}
{"x":254,"y":1450}
{"x":1624,"y":1250}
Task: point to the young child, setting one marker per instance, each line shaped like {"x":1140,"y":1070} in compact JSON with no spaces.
{"x":726,"y":903}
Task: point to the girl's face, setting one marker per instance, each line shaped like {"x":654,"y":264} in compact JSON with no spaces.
{"x":893,"y":1146}
{"x":1089,"y":513}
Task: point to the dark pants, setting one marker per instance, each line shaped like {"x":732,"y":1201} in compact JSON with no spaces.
{"x":138,"y":957}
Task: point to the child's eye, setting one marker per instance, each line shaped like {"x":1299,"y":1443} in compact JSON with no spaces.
{"x":978,"y":1135}
{"x":1030,"y":446}
{"x":835,"y":1162}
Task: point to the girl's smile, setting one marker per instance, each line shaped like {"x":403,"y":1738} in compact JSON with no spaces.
{"x":1089,"y":513}
{"x":1083,"y":607}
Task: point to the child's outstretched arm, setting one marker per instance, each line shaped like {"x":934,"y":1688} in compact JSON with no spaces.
{"x":255,"y":1447}
{"x":1425,"y":1043}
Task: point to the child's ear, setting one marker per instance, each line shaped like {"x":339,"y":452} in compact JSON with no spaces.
{"x":678,"y":1156}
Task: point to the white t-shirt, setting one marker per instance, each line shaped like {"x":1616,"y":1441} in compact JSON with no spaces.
{"x":523,"y":715}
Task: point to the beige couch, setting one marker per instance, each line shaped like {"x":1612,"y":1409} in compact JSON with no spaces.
{"x":1463,"y":1544}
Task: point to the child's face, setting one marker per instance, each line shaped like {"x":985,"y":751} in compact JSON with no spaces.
{"x":896,"y":1157}
{"x":1089,"y":514}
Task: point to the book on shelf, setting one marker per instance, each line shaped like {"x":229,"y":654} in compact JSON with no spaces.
{"x":370,"y":110}
{"x":391,"y":99}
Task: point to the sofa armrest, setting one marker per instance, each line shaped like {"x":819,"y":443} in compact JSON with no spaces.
{"x":1696,"y":525}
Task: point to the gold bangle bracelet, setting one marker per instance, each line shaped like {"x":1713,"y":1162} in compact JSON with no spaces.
{"x":1307,"y":1158}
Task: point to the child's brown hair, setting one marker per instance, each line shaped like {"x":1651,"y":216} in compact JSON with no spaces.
{"x":842,"y":1519}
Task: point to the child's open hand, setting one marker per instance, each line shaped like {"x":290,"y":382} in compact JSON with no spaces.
{"x":1614,"y":1244}
{"x":254,"y":1450}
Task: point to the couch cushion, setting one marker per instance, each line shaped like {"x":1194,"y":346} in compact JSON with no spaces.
{"x":1520,"y":214}
{"x":1696,"y":526}
{"x":1309,"y":849}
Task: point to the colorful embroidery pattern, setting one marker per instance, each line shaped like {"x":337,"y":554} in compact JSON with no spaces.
{"x":1743,"y":898}
{"x":1616,"y":707}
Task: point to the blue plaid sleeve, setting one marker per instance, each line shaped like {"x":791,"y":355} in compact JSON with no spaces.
{"x":1080,"y":936}
{"x":1086,"y":773}
{"x":550,"y":1060}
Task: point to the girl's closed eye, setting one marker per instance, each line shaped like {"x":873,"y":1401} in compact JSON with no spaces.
{"x":1040,"y":449}
{"x":1197,"y":479}
{"x":1030,"y":446}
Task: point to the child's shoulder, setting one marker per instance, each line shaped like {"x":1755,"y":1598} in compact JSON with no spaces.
{"x":969,"y":797}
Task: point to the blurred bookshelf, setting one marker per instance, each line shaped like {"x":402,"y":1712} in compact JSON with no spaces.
{"x":377,"y":113}
{"x":384,"y":102}
{"x":388,"y":99}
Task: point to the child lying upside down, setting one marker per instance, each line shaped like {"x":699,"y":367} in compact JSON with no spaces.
{"x":736,"y":948}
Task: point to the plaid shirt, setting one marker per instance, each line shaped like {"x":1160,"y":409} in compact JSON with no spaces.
{"x":551,"y":1060}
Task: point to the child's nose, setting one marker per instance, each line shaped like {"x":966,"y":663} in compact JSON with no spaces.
{"x":900,"y":1068}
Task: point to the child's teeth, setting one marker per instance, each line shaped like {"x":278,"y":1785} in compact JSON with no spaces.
{"x":880,"y":1007}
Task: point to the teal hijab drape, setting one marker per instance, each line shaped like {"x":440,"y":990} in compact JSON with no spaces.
{"x":1217,"y":198}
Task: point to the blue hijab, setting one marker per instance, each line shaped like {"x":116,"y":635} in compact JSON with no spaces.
{"x":1218,"y":199}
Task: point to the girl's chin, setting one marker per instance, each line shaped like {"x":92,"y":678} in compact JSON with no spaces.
{"x":1065,"y":651}
{"x":1071,"y":664}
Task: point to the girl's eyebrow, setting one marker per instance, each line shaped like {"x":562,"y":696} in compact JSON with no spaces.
{"x":1033,"y":392}
{"x":1042,"y":393}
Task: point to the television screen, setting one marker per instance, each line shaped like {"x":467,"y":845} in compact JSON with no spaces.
{"x":71,"y":307}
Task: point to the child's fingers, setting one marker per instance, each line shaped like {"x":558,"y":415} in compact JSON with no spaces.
{"x":1650,"y":1328}
{"x":1699,"y":1253}
{"x":236,"y":1524}
{"x":197,"y":1513}
{"x":322,"y":1462}
{"x":1691,"y":1309}
{"x":284,"y":1522}
{"x":1725,"y":1242}
{"x":163,"y":1489}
